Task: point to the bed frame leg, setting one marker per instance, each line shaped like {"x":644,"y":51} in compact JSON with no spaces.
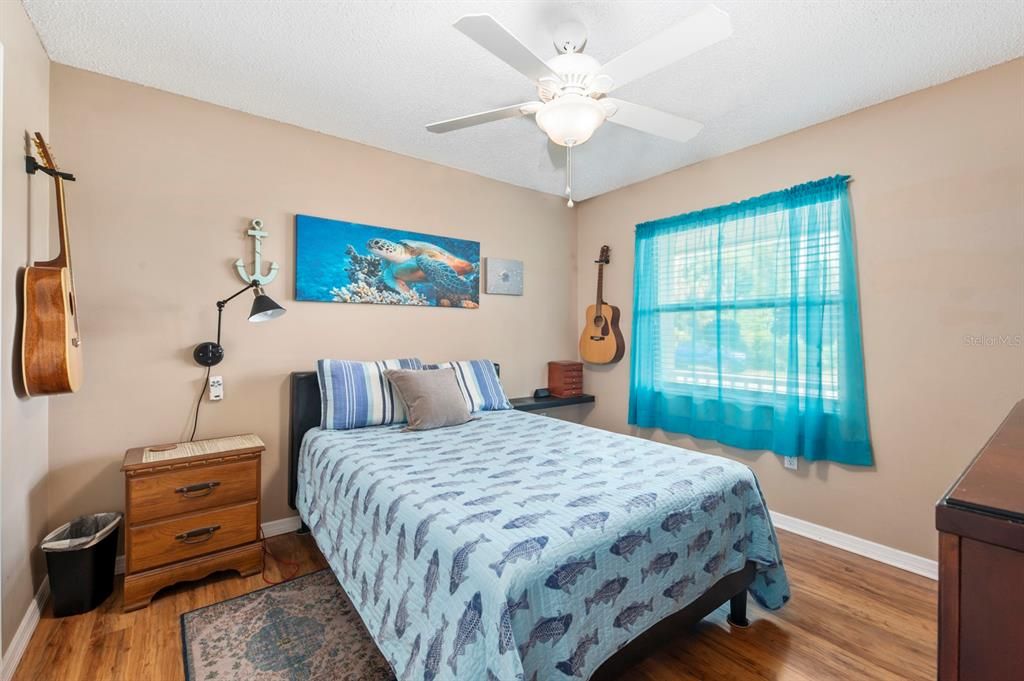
{"x":738,"y":610}
{"x":303,"y":528}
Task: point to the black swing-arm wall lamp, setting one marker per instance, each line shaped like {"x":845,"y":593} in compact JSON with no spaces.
{"x":264,"y":309}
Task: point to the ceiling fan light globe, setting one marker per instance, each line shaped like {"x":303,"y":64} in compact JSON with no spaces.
{"x":570,"y":120}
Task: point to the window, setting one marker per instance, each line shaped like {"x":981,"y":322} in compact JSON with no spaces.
{"x":746,"y":325}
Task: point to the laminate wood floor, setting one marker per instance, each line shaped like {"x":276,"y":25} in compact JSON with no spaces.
{"x":849,"y":618}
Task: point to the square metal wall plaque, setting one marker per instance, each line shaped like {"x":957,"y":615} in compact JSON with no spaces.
{"x":504,"y":277}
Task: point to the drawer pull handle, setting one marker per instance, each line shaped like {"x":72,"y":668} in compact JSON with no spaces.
{"x":197,"y":536}
{"x":200,"y":489}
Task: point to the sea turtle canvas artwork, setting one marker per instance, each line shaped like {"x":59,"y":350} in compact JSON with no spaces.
{"x":346,"y":262}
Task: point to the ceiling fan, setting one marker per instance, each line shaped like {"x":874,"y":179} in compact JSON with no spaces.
{"x":573,"y":87}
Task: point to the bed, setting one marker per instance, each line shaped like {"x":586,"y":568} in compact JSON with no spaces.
{"x":522,"y":547}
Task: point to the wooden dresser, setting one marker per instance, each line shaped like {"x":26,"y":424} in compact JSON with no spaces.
{"x":981,"y":562}
{"x":191,"y":509}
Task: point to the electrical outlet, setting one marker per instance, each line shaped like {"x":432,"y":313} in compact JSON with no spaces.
{"x":790,"y":462}
{"x":216,"y":388}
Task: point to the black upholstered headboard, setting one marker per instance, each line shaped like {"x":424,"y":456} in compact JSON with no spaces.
{"x":304,"y":413}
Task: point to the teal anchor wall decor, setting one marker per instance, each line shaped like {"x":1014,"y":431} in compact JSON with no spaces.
{"x":258,"y":235}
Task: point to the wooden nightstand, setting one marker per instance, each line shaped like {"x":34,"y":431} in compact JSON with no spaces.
{"x":191,"y":509}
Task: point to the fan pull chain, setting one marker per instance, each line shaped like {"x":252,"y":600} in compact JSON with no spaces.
{"x":568,"y":175}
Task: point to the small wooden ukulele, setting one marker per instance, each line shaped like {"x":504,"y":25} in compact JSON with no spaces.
{"x":601,"y":341}
{"x":51,"y":348}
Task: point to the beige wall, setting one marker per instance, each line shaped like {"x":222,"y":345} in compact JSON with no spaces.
{"x":938,"y":202}
{"x":23,"y":443}
{"x":166,"y":188}
{"x":168,"y":184}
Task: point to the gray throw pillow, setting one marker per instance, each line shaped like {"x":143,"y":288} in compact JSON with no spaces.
{"x":432,"y":398}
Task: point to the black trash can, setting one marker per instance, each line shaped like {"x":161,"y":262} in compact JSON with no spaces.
{"x":80,"y":559}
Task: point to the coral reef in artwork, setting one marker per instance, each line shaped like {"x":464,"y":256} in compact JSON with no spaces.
{"x":364,"y":273}
{"x":350,"y":263}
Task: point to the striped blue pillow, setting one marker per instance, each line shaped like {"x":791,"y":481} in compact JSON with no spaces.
{"x":357,"y":394}
{"x":479,"y":384}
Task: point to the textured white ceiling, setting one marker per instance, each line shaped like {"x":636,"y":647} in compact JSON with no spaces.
{"x":377,"y":72}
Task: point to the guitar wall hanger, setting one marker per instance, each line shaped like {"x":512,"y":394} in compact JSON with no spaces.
{"x":32,"y":165}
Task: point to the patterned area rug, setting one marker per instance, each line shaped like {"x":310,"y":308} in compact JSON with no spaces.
{"x":303,"y":629}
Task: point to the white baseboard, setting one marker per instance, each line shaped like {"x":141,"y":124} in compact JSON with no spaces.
{"x":862,"y":547}
{"x":270,"y":529}
{"x":25,"y":630}
{"x":282,"y":526}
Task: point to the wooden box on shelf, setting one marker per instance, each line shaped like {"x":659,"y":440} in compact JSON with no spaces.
{"x":191,"y":509}
{"x":565,"y":378}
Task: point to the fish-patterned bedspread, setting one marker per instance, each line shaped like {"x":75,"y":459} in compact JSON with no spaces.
{"x":518,"y":546}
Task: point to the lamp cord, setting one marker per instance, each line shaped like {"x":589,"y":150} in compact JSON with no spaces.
{"x":254,"y":284}
{"x":293,"y":566}
{"x":199,"y":403}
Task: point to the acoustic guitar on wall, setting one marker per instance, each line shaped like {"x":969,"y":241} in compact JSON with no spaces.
{"x":51,"y":347}
{"x":601,"y":341}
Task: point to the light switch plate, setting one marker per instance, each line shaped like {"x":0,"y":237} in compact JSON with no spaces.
{"x":790,"y":462}
{"x":216,"y":388}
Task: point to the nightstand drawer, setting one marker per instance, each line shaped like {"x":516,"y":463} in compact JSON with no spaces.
{"x":192,"y":489}
{"x":169,"y":541}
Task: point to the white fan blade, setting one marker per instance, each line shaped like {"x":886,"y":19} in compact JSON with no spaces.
{"x":652,"y":121}
{"x":707,"y":27}
{"x":513,"y":111}
{"x":495,"y":38}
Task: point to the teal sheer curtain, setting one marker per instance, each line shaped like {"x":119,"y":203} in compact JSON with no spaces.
{"x":746,"y":326}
